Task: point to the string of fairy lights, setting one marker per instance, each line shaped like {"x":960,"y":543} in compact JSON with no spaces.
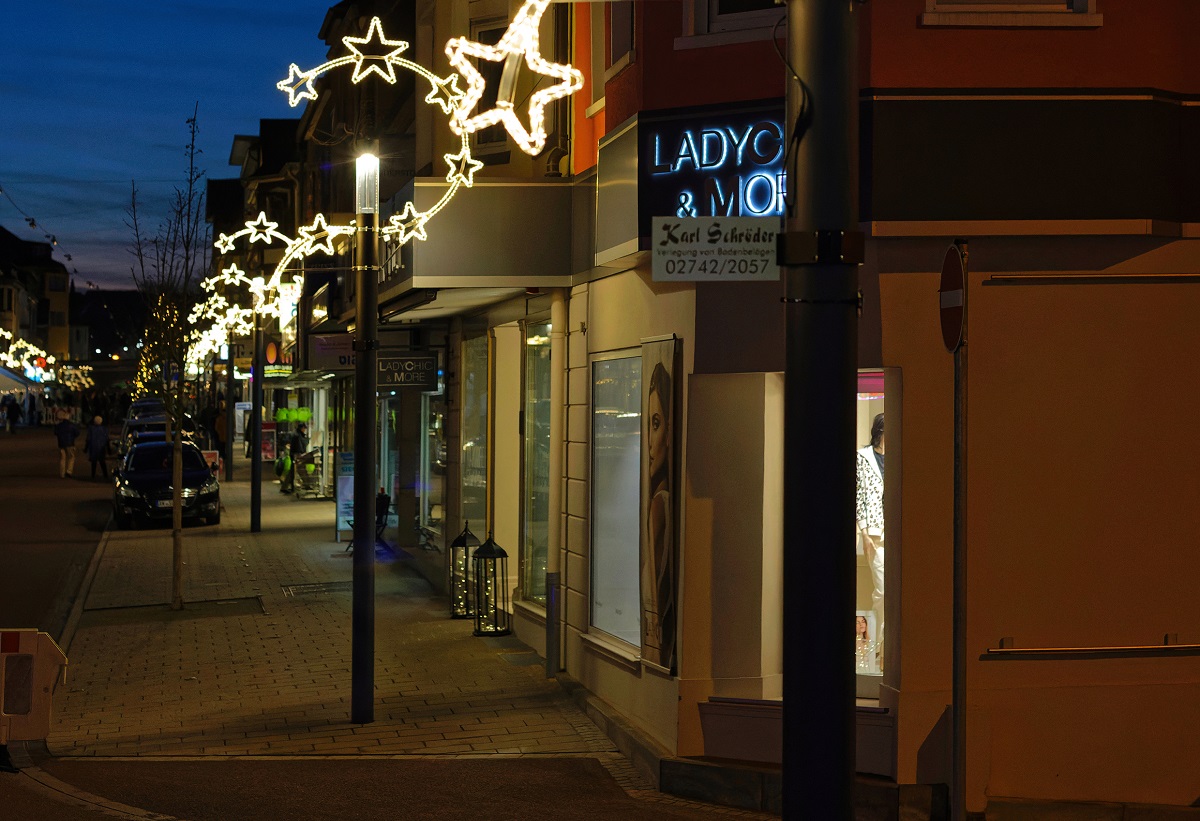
{"x":34,"y":225}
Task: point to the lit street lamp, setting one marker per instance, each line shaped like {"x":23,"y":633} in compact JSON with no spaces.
{"x":366,"y":271}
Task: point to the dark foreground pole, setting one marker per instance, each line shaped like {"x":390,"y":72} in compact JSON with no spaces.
{"x":366,"y":270}
{"x":228,"y":410}
{"x":819,"y":252}
{"x":256,"y":411}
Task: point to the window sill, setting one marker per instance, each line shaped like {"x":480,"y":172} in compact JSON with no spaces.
{"x":622,"y":655}
{"x":622,"y":63}
{"x":594,"y":109}
{"x":531,"y":610}
{"x":1012,"y":19}
{"x":728,"y":38}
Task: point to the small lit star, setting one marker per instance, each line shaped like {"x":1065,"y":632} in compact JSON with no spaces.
{"x":445,"y":93}
{"x":364,"y":64}
{"x":225,"y":244}
{"x":462,"y":168}
{"x":298,"y":85}
{"x":260,"y":229}
{"x":312,"y":236}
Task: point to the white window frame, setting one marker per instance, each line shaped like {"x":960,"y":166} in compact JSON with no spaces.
{"x":482,"y":149}
{"x":1012,"y":13}
{"x":703,"y":28}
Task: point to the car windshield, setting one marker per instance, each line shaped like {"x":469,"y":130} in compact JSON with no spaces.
{"x":145,"y":458}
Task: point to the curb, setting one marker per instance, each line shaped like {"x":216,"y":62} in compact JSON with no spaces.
{"x":85,"y":588}
{"x":50,"y":787}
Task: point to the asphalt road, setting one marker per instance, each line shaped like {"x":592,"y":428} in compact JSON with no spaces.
{"x":49,"y":530}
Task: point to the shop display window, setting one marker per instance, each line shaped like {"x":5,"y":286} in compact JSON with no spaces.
{"x":869,"y":531}
{"x":536,"y":514}
{"x":616,"y":491}
{"x":475,"y":432}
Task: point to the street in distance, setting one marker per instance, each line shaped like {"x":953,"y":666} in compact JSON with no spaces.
{"x":714,"y":249}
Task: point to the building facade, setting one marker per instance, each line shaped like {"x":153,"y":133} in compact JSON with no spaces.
{"x":618,"y":432}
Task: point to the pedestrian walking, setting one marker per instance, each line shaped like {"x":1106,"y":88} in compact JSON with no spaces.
{"x":66,"y":432}
{"x":13,"y":413}
{"x":96,"y":445}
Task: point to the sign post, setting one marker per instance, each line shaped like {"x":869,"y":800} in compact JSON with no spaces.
{"x":952,"y":298}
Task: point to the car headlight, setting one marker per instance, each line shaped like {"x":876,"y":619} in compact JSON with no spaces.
{"x":128,"y":492}
{"x":211,"y":486}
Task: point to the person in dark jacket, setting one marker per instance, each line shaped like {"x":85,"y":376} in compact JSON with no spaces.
{"x":66,"y":432}
{"x":96,"y":445}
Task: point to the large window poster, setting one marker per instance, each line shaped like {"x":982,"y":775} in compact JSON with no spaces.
{"x":659,"y":543}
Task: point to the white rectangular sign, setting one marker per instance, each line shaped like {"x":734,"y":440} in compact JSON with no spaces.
{"x":721,"y":249}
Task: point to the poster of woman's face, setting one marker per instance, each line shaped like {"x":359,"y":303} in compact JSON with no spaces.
{"x":658,"y":548}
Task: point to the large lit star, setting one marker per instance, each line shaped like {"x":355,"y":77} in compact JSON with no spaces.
{"x":298,"y":85}
{"x":521,"y":38}
{"x":364,"y":64}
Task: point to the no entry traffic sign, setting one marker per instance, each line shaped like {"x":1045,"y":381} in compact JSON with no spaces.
{"x":952,"y":298}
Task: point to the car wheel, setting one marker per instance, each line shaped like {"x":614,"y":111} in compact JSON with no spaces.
{"x":122,"y":521}
{"x":215,"y":519}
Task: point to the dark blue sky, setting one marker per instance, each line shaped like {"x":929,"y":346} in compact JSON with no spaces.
{"x":94,"y":95}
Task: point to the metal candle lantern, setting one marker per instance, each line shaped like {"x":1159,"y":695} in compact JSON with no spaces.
{"x":491,"y":590}
{"x":461,"y":550}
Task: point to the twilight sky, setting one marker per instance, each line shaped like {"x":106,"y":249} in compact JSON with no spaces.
{"x":95,"y":95}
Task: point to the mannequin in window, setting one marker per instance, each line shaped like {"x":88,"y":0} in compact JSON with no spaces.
{"x":869,"y":513}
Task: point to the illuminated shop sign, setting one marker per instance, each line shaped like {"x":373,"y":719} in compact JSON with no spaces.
{"x":713,"y":163}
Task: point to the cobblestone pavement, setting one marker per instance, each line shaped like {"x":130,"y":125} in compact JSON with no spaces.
{"x":258,"y":661}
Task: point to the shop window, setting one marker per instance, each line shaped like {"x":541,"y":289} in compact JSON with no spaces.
{"x":432,"y":488}
{"x":6,"y":299}
{"x":536,"y":412}
{"x":869,"y":533}
{"x":1012,"y":13}
{"x":475,"y":432}
{"x":597,"y":34}
{"x":620,"y":37}
{"x":616,"y":491}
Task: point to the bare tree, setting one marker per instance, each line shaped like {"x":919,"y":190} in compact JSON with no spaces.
{"x":167,"y":270}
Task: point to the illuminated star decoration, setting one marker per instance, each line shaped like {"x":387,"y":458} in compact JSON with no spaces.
{"x":521,"y":39}
{"x":364,"y":64}
{"x":25,"y":357}
{"x":375,"y":54}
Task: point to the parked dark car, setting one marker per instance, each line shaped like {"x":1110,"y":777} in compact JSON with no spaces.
{"x":142,"y":485}
{"x":145,"y":407}
{"x":136,"y":427}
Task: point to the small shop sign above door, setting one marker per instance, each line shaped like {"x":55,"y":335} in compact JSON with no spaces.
{"x":409,"y":370}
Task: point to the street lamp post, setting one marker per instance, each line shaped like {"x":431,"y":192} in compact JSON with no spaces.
{"x":227,"y":443}
{"x":366,"y":270}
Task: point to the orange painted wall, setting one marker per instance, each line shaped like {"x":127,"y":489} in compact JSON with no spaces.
{"x":1081,"y":494}
{"x":1141,"y":45}
{"x":585,"y":131}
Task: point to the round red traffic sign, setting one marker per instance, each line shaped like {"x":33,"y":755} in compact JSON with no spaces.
{"x":952,"y":298}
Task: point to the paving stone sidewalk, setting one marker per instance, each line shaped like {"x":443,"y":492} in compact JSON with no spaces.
{"x":258,"y":662}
